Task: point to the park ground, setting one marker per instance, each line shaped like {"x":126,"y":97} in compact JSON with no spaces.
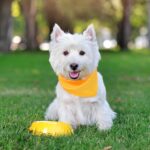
{"x":27,"y":85}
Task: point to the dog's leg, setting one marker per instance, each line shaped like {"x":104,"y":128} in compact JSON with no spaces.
{"x":105,"y":116}
{"x":52,"y":112}
{"x":66,"y":114}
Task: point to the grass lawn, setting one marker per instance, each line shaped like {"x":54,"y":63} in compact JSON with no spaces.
{"x":27,"y":85}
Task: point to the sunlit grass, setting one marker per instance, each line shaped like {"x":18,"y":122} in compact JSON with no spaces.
{"x":27,"y":85}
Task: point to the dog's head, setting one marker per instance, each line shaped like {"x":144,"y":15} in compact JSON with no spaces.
{"x":74,"y":55}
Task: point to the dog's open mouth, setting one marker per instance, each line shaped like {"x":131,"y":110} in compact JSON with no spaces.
{"x":74,"y":74}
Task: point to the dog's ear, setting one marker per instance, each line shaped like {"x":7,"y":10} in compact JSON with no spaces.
{"x":89,"y":33}
{"x":56,"y":33}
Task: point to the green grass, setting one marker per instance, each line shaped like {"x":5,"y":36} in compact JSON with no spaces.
{"x":27,"y":85}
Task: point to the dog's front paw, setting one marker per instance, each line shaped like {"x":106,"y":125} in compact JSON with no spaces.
{"x":51,"y":113}
{"x":72,"y":123}
{"x":105,"y":125}
{"x":50,"y":116}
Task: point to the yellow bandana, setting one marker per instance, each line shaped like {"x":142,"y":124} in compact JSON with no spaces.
{"x":84,"y":88}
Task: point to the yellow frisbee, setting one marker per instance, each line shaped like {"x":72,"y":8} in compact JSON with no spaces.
{"x":52,"y":128}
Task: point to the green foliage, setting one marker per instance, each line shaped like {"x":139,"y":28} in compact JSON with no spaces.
{"x":18,"y":25}
{"x":15,"y":9}
{"x":80,"y":25}
{"x":18,"y":19}
{"x":139,"y":17}
{"x":28,"y":85}
{"x":43,"y":28}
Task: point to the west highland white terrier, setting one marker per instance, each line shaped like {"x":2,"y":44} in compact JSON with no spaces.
{"x":75,"y":57}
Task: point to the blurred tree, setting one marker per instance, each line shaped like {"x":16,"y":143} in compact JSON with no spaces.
{"x":5,"y":25}
{"x":124,"y":27}
{"x":68,"y":13}
{"x":29,"y":11}
{"x":85,"y":10}
{"x":54,"y":14}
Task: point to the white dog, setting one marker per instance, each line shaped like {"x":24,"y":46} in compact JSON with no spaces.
{"x":75,"y":56}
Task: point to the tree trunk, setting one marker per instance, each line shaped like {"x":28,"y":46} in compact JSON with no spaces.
{"x":54,"y":15}
{"x":29,"y":12}
{"x":124,"y":27}
{"x":5,"y":25}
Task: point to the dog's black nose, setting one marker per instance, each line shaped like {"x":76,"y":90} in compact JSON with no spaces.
{"x":74,"y":66}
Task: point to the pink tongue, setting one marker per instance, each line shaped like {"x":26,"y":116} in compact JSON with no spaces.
{"x":74,"y":74}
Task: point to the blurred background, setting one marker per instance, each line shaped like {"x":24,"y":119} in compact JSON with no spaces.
{"x":119,"y":24}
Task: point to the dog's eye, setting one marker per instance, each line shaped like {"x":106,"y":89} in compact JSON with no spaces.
{"x":65,"y":53}
{"x":81,"y":52}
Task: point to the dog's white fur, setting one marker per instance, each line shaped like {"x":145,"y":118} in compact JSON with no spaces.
{"x":67,"y":107}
